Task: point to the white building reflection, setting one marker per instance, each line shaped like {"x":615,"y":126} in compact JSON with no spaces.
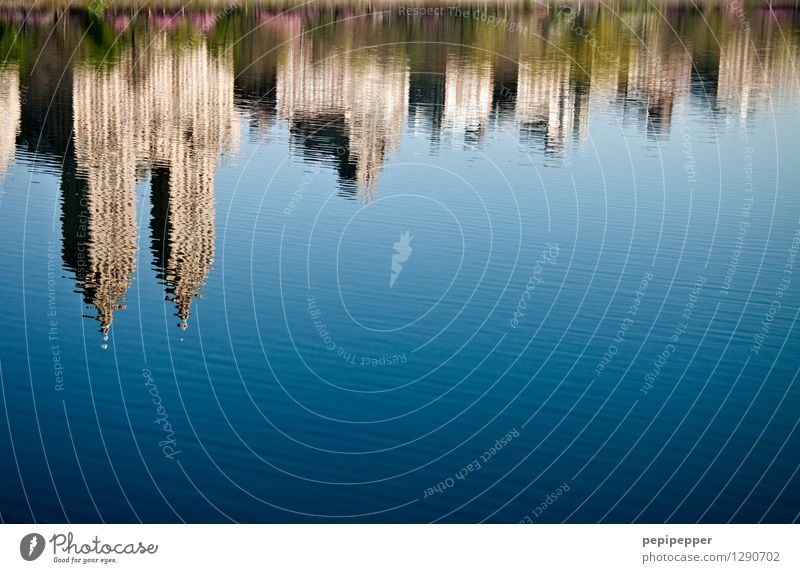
{"x":366,"y":93}
{"x":165,"y":109}
{"x":467,"y":98}
{"x":10,"y":104}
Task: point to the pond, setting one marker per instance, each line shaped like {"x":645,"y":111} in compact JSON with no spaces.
{"x":381,"y":262}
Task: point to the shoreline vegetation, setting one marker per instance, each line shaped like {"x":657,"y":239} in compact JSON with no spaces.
{"x":372,"y":5}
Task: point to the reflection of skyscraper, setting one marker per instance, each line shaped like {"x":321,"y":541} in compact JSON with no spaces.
{"x":467,"y":97}
{"x":310,"y":96}
{"x":658,"y":72}
{"x":749,"y":76}
{"x":738,"y":73}
{"x":548,"y":107}
{"x":376,"y":112}
{"x":504,"y":90}
{"x":198,"y":91}
{"x":186,"y":237}
{"x":10,"y":118}
{"x":352,"y":107}
{"x":106,"y":144}
{"x":255,"y":62}
{"x":169,"y":111}
{"x":309,"y":87}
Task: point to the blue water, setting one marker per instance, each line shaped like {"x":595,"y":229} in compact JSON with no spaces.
{"x":599,"y":297}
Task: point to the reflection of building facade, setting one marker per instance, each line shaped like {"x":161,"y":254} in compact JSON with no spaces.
{"x":658,"y":72}
{"x":255,"y":70}
{"x":165,"y":111}
{"x":199,"y":96}
{"x":468,"y":95}
{"x":306,"y":87}
{"x":548,"y":106}
{"x":363,"y":99}
{"x":738,"y":74}
{"x":376,"y":113}
{"x":10,"y":117}
{"x":751,"y":77}
{"x":106,"y":146}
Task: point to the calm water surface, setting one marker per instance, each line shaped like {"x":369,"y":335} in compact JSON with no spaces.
{"x":347,"y":263}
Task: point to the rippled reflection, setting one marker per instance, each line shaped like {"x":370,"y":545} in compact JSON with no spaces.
{"x":120,"y":98}
{"x":167,"y":113}
{"x":10,"y":103}
{"x":359,"y":95}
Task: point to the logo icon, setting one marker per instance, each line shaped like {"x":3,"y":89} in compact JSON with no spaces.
{"x":31,"y":546}
{"x":402,"y":250}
